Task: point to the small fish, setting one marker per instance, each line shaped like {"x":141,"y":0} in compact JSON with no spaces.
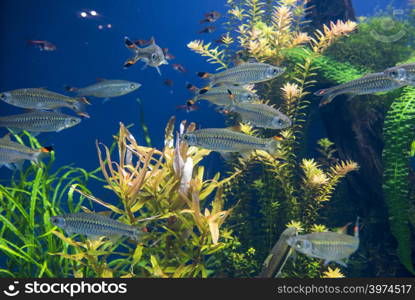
{"x":95,"y":225}
{"x":208,"y":29}
{"x":260,"y":115}
{"x":167,"y":54}
{"x":245,"y":73}
{"x":211,"y":17}
{"x":12,"y":154}
{"x":402,"y":73}
{"x":42,"y":45}
{"x":106,"y":88}
{"x":169,"y":82}
{"x":226,"y":140}
{"x":151,"y":55}
{"x":220,"y":40}
{"x":39,"y":98}
{"x":330,"y":246}
{"x":219,"y":95}
{"x":39,"y":121}
{"x":369,"y":84}
{"x":179,"y":68}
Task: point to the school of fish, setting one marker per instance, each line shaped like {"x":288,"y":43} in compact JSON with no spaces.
{"x":231,"y":90}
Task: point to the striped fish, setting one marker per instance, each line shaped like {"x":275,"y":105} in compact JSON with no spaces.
{"x":39,"y":121}
{"x":402,"y":73}
{"x":246,"y":73}
{"x":261,"y":115}
{"x":226,"y":140}
{"x":106,"y":88}
{"x":219,"y":95}
{"x":39,"y":98}
{"x":369,"y":84}
{"x":95,"y":225}
{"x":330,"y":246}
{"x":12,"y":154}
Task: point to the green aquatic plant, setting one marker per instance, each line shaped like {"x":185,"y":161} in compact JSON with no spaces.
{"x":398,"y":131}
{"x":168,"y":191}
{"x":274,"y":190}
{"x":26,"y":204}
{"x":381,"y":42}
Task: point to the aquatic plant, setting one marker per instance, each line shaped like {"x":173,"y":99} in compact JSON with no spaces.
{"x":399,"y":129}
{"x":166,"y":189}
{"x":26,"y":204}
{"x":283,"y":186}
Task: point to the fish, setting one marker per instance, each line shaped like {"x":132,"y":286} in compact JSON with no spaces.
{"x":226,"y":140}
{"x":243,"y":74}
{"x":42,"y":45}
{"x":167,"y":54}
{"x":219,"y":95}
{"x":13,"y":155}
{"x":403,"y":73}
{"x":179,"y":68}
{"x":211,"y":17}
{"x":39,"y":121}
{"x":169,"y":82}
{"x":260,"y":115}
{"x":208,"y":29}
{"x":94,"y":225}
{"x":151,"y":55}
{"x":369,"y":84}
{"x":106,"y":88}
{"x":329,"y":246}
{"x":40,"y":98}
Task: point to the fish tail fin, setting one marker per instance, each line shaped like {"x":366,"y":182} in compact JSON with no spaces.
{"x":327,"y":95}
{"x":138,"y":233}
{"x":79,"y":107}
{"x":356,"y":228}
{"x":191,"y":87}
{"x":274,"y":145}
{"x":70,"y":88}
{"x":130,"y":62}
{"x":129,"y":44}
{"x":43,"y":152}
{"x":204,"y":75}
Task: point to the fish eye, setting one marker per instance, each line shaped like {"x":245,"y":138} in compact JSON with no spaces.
{"x":185,"y":137}
{"x":298,"y":244}
{"x":132,"y":86}
{"x":274,"y":71}
{"x":280,"y":122}
{"x":153,"y":56}
{"x":249,"y":97}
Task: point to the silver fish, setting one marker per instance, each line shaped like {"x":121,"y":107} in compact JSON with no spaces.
{"x":226,"y":140}
{"x":330,"y":246}
{"x":95,"y":225}
{"x":219,"y":95}
{"x":12,"y":154}
{"x":39,"y":98}
{"x":107,"y":88}
{"x":402,"y":73}
{"x":369,"y":84}
{"x":246,"y":73}
{"x":151,"y":55}
{"x":260,"y":115}
{"x":39,"y":121}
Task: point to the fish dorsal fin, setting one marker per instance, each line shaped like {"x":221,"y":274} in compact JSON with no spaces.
{"x":152,"y":41}
{"x":100,"y":79}
{"x":343,"y":230}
